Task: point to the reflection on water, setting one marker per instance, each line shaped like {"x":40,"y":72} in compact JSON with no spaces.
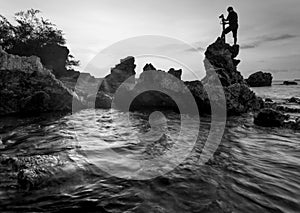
{"x":253,"y":170}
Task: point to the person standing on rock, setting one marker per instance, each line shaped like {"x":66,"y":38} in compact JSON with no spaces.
{"x":232,"y":20}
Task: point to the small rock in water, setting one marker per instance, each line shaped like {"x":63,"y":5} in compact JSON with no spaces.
{"x":270,"y":118}
{"x":290,"y":83}
{"x":268,"y":100}
{"x":294,"y":100}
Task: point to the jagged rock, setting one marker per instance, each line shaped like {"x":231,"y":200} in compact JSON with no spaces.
{"x":270,"y":118}
{"x":219,"y":58}
{"x":219,"y":63}
{"x":176,"y":73}
{"x":290,"y":83}
{"x":26,"y":86}
{"x":148,"y":67}
{"x":260,"y":79}
{"x":120,"y":73}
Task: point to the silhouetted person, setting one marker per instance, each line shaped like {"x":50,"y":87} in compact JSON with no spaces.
{"x":232,"y":20}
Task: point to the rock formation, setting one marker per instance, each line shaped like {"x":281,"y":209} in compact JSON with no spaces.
{"x":220,"y":63}
{"x":220,"y":60}
{"x":260,"y":79}
{"x":120,"y":73}
{"x":176,"y":73}
{"x":148,"y":67}
{"x":26,"y":86}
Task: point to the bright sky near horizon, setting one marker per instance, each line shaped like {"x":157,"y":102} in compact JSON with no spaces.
{"x":269,"y":32}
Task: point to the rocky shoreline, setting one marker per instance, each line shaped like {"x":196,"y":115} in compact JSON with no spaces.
{"x":28,"y":87}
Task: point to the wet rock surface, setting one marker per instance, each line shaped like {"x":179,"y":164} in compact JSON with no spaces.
{"x":32,"y":171}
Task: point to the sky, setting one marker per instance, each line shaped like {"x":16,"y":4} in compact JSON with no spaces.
{"x":173,"y":33}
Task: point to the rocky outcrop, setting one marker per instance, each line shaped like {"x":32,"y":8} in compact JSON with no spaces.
{"x":260,"y":79}
{"x":160,"y":89}
{"x":26,"y":86}
{"x":120,"y":73}
{"x":220,"y":60}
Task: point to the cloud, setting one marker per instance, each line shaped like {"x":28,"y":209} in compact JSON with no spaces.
{"x":263,"y":39}
{"x":276,"y":70}
{"x":248,"y":46}
{"x":196,"y":49}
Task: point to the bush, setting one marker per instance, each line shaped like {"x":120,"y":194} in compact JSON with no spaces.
{"x":31,"y":33}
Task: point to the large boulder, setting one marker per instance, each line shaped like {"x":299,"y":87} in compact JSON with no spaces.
{"x":260,"y":79}
{"x":27,"y":86}
{"x":120,"y":73}
{"x":270,"y":118}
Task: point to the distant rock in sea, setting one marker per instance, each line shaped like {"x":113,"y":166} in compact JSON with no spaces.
{"x":260,"y":79}
{"x":290,"y":83}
